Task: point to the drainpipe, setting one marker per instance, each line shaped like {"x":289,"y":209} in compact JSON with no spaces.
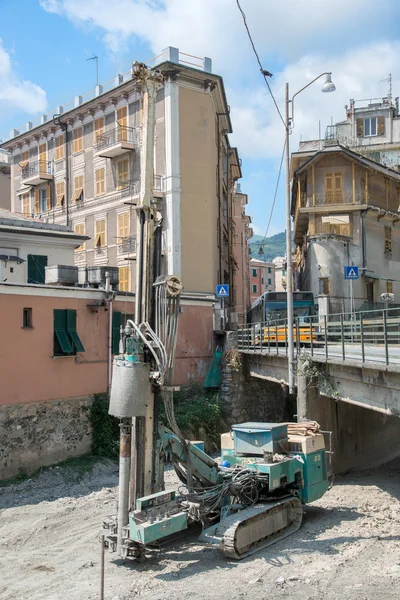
{"x":110,"y":319}
{"x":219,"y":195}
{"x":363,"y":239}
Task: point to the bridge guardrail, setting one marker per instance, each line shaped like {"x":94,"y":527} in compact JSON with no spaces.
{"x":359,"y":336}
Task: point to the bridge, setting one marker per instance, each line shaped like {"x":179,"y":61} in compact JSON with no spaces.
{"x":347,"y":375}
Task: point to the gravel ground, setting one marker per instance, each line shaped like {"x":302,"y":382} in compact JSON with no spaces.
{"x":348,"y":546}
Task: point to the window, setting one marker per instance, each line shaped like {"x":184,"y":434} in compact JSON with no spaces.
{"x":37,"y":264}
{"x":370,"y":126}
{"x":78,"y":188}
{"x":80,"y":228}
{"x":116,"y":331}
{"x":269,"y":270}
{"x":388,"y":240}
{"x":60,"y":192}
{"x":123,"y":226}
{"x":122,"y":121}
{"x":43,"y":158}
{"x":98,"y":129}
{"x":269,"y":281}
{"x":389,"y":287}
{"x":254,"y":272}
{"x":100,"y":237}
{"x":100,"y":189}
{"x":43,"y":200}
{"x":333,"y":188}
{"x":254,"y":289}
{"x":60,"y":149}
{"x":27,"y":318}
{"x":24,"y":159}
{"x":26,"y":204}
{"x":123,"y":275}
{"x":78,"y":139}
{"x":66,"y":339}
{"x":324,"y":285}
{"x":122,"y":170}
{"x":370,"y":291}
{"x":283,"y":272}
{"x":262,"y":280}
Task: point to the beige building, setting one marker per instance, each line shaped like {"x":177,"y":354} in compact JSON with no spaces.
{"x":5,"y":180}
{"x":242,"y":232}
{"x":84,"y":167}
{"x":346,"y":213}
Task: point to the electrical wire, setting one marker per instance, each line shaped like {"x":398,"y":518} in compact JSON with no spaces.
{"x":263,"y":71}
{"x":275,"y":194}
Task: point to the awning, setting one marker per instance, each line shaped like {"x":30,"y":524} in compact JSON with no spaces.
{"x":11,"y":258}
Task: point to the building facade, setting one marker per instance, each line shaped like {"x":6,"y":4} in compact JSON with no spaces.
{"x":5,"y":180}
{"x":242,"y":232}
{"x":28,"y":246}
{"x":346,"y":212}
{"x":262,"y":278}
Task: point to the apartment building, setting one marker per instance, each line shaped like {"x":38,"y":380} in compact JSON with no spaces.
{"x":346,"y":212}
{"x":242,"y":232}
{"x":5,"y":181}
{"x":84,"y":167}
{"x":262,"y":278}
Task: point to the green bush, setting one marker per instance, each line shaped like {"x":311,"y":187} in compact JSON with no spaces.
{"x":105,"y":428}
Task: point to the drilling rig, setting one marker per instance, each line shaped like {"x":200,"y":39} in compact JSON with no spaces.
{"x":253,"y":496}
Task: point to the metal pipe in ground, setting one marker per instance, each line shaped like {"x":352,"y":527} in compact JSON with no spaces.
{"x":102,"y":567}
{"x":124,"y":474}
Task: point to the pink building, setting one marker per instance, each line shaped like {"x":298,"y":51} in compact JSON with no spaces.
{"x":262,"y":278}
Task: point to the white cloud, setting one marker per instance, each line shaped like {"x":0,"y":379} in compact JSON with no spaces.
{"x":17,"y":94}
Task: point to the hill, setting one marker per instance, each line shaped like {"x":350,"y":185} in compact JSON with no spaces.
{"x":273,"y":246}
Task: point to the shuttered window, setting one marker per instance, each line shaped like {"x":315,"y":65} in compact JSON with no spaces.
{"x":37,"y":201}
{"x":60,"y":148}
{"x":389,"y":287}
{"x":370,"y":126}
{"x":43,"y":158}
{"x":100,"y":187}
{"x":26,"y":204}
{"x":60,"y":193}
{"x":66,"y":339}
{"x":388,"y":239}
{"x":78,"y":139}
{"x":122,"y":123}
{"x":333,"y":188}
{"x":123,"y":275}
{"x":100,"y":237}
{"x":24,"y":159}
{"x":98,"y":129}
{"x":123,"y":226}
{"x":37,"y":264}
{"x":116,"y":331}
{"x":123,"y":174}
{"x":78,"y":188}
{"x":80,"y":228}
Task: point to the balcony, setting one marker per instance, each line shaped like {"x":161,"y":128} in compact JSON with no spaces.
{"x":127,"y":245}
{"x":115,"y":142}
{"x":36,"y":173}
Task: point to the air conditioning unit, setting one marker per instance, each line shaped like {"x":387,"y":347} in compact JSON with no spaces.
{"x":82,"y":276}
{"x":61,"y":275}
{"x":97,"y":275}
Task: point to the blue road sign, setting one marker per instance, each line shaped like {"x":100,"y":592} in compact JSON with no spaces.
{"x":222,"y":291}
{"x":351,"y":272}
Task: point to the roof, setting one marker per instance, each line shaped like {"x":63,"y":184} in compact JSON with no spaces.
{"x":14,"y":222}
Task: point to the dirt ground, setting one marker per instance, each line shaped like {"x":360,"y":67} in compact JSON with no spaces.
{"x":348,"y":546}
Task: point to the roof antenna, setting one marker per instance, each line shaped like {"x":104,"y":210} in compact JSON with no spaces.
{"x":96,"y":58}
{"x":389,"y":80}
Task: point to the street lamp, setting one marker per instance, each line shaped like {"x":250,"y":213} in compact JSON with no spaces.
{"x":327,"y":87}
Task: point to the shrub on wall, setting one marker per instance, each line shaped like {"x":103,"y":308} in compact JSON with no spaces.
{"x":105,"y":428}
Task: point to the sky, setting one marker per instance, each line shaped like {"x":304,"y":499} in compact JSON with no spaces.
{"x":45,"y":44}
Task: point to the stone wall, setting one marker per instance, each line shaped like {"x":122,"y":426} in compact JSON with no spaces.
{"x":43,"y":433}
{"x":247,"y":398}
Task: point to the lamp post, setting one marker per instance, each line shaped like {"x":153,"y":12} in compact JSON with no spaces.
{"x":327,"y":87}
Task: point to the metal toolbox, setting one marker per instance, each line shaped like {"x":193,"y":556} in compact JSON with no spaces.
{"x":257,"y":438}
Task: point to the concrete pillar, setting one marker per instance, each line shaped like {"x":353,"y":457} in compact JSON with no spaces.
{"x":98,"y":90}
{"x":77,"y":101}
{"x":13,"y":133}
{"x":171,"y":54}
{"x":307,"y":395}
{"x":118,"y":80}
{"x":207,"y":64}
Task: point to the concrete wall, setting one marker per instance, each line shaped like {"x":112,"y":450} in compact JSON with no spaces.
{"x":43,"y":433}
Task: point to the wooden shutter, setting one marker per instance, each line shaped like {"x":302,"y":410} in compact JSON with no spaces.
{"x":37,"y":201}
{"x":48,"y":197}
{"x":72,"y":332}
{"x":37,"y":264}
{"x":100,"y":238}
{"x":123,"y":225}
{"x":360,"y":127}
{"x":43,"y":158}
{"x":122,"y":169}
{"x":98,"y":128}
{"x":123,"y":277}
{"x":381,"y":125}
{"x":122,"y":122}
{"x":62,"y":343}
{"x":60,"y":149}
{"x":60,"y":192}
{"x":24,"y":159}
{"x":388,"y":239}
{"x":389,"y":287}
{"x":78,"y":188}
{"x":100,"y":188}
{"x":26,"y":209}
{"x":80,"y":228}
{"x":78,"y":140}
{"x":116,"y":326}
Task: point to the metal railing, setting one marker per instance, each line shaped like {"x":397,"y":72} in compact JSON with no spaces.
{"x":368,"y":336}
{"x":127,"y":245}
{"x":36,"y":168}
{"x":115,"y":136}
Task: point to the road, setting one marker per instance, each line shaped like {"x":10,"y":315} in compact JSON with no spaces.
{"x":348,"y":546}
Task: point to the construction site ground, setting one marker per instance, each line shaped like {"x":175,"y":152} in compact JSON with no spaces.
{"x":348,"y":546}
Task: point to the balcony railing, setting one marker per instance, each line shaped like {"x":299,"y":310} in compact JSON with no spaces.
{"x":127,"y":245}
{"x":128,"y":188}
{"x":37,"y":169}
{"x":121,"y":138}
{"x":158,"y":185}
{"x":331,"y":197}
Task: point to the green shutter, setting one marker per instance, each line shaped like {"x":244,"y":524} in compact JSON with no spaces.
{"x":36,"y":268}
{"x":60,"y":333}
{"x":71,"y":328}
{"x":116,"y":326}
